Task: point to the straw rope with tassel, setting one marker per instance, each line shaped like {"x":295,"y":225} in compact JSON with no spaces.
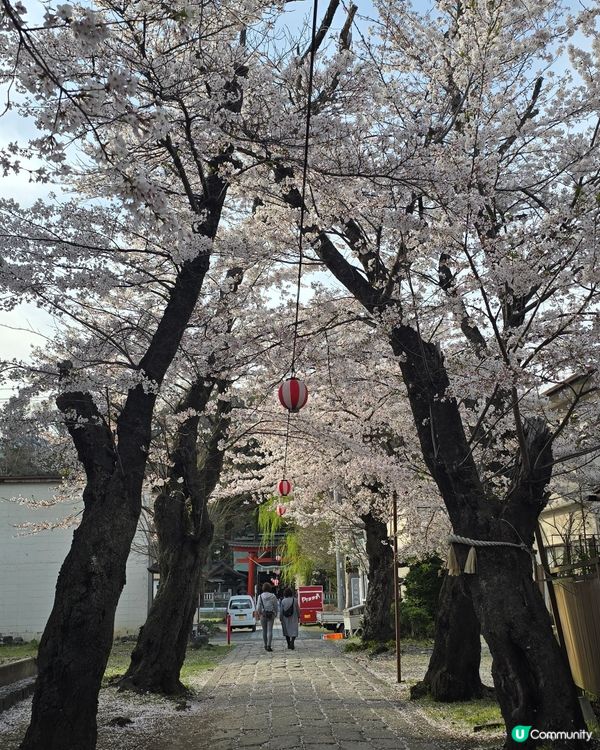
{"x":471,"y":562}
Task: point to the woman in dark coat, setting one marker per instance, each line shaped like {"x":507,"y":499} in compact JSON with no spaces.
{"x":289,"y":622}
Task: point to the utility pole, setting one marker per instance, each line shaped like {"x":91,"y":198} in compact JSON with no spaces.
{"x":339,"y":563}
{"x":396,"y":587}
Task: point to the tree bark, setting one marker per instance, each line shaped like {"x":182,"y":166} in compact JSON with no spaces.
{"x":453,"y":671}
{"x":76,"y":643}
{"x":377,"y":621}
{"x":77,"y":639}
{"x":160,"y":651}
{"x":532,"y":679}
{"x":184,"y":533}
{"x":533,"y":683}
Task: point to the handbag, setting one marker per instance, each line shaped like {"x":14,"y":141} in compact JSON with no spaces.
{"x":289,"y":611}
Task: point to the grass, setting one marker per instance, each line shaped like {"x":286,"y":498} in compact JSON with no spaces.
{"x":118,"y":661}
{"x":353,"y":644}
{"x":196,"y":661}
{"x":461,"y":715}
{"x":10,"y":653}
{"x":374,"y":647}
{"x":201,"y":660}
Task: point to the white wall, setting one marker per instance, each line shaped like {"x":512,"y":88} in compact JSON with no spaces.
{"x":29,"y":565}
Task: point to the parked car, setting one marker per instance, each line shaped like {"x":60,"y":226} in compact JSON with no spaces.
{"x":242,"y":611}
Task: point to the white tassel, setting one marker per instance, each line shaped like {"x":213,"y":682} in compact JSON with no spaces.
{"x":452,"y":562}
{"x":471,"y":564}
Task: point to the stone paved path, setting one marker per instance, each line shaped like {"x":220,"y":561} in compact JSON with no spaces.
{"x":313,"y":698}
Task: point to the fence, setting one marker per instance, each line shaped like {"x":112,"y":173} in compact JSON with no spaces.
{"x":578,"y":600}
{"x":578,"y":552}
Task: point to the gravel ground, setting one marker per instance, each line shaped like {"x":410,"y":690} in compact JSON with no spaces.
{"x":149,"y":716}
{"x":414,"y":662}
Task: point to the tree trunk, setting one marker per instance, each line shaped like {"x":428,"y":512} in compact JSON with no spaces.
{"x":377,"y":621}
{"x":161,"y":647}
{"x":453,"y":672}
{"x":184,"y":532}
{"x":76,"y":643}
{"x":533,"y":682}
{"x":77,"y":640}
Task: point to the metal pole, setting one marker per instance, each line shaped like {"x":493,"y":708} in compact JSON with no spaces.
{"x":396,"y":589}
{"x":339,"y":563}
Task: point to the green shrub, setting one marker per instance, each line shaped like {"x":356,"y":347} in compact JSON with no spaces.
{"x":422,"y":584}
{"x":415,"y":620}
{"x":419,"y":605}
{"x":355,"y":644}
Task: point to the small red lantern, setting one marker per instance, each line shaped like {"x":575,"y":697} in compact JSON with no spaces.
{"x":293,"y":394}
{"x":284,"y":487}
{"x":280,"y":510}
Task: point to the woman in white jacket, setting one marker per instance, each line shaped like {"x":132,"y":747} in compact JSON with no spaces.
{"x":267,"y":609}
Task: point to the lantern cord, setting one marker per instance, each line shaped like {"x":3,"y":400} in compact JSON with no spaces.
{"x":287,"y":438}
{"x":311,"y":70}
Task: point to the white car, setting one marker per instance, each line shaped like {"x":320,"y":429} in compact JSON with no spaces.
{"x":242,"y":611}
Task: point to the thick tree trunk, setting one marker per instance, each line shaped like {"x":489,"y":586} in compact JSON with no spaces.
{"x":161,"y":647}
{"x":453,"y":672}
{"x":77,"y":640}
{"x":184,"y":532}
{"x":377,"y":622}
{"x":533,"y":682}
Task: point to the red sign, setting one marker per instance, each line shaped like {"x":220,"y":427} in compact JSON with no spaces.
{"x":310,"y":599}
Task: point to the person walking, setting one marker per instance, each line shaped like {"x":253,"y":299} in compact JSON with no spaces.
{"x":290,"y":616}
{"x":267,"y":610}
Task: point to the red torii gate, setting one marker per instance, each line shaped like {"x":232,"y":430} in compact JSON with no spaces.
{"x":256,"y":555}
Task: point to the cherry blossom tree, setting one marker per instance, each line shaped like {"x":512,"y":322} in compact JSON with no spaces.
{"x":452,"y":195}
{"x":136,"y":108}
{"x":181,"y":518}
{"x":353,"y":437}
{"x":455,"y":199}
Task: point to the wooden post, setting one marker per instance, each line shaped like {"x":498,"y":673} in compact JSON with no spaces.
{"x":396,"y":589}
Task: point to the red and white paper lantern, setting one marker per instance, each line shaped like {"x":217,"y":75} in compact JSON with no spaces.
{"x":284,"y":487}
{"x":280,"y":510}
{"x":293,"y":394}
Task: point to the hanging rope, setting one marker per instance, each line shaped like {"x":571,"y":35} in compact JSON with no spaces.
{"x":471,"y":562}
{"x":311,"y":70}
{"x":287,"y":437}
{"x":309,"y":94}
